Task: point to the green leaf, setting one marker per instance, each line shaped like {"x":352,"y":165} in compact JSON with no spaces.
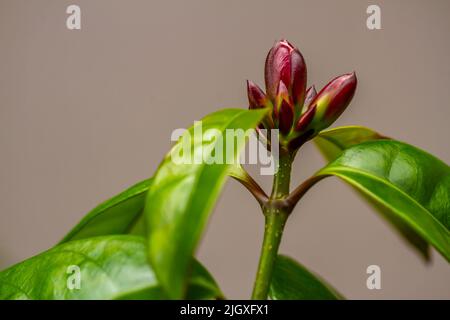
{"x":119,"y":215}
{"x":333,"y":142}
{"x":110,"y":267}
{"x":412,"y":186}
{"x":292,"y":281}
{"x":183,"y":194}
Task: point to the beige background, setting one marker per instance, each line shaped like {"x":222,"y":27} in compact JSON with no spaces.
{"x":84,"y":114}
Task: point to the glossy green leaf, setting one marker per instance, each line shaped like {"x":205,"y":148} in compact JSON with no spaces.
{"x":333,"y":142}
{"x":110,"y":267}
{"x":119,"y":215}
{"x":292,"y":281}
{"x":183,"y":194}
{"x":411,"y":185}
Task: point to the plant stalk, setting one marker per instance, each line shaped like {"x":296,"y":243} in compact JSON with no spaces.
{"x":275,"y":219}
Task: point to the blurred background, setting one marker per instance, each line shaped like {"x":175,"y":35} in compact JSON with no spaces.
{"x":86,"y":113}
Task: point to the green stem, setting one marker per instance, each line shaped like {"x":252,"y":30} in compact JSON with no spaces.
{"x":282,"y":179}
{"x":272,"y":238}
{"x":275,"y":219}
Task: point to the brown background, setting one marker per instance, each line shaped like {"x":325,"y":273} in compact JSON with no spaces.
{"x":84,"y":114}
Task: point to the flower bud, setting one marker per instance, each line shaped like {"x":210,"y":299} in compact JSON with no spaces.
{"x":329,"y":103}
{"x":311,"y":93}
{"x":305,"y":119}
{"x":284,"y":63}
{"x":258,"y":100}
{"x":300,"y":114}
{"x":284,"y":109}
{"x":256,"y":97}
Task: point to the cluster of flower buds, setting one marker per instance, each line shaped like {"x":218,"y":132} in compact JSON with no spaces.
{"x":298,"y":113}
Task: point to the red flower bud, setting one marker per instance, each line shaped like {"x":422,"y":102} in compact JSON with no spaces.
{"x":305,"y":119}
{"x":298,"y":74}
{"x":311,"y":93}
{"x":287,"y":97}
{"x":332,"y":100}
{"x":256,"y":97}
{"x":285,"y":63}
{"x":284,"y":109}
